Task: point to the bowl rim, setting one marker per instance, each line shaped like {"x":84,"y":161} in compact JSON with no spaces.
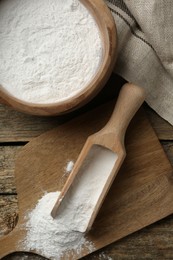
{"x":107,"y":28}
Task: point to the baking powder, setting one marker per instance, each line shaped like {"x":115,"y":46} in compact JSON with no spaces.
{"x":49,"y":50}
{"x":69,"y":166}
{"x":55,"y":237}
{"x":87,"y":187}
{"x":52,"y":237}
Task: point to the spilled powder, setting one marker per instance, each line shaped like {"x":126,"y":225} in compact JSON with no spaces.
{"x":104,"y":256}
{"x":52,"y":237}
{"x":49,"y":50}
{"x":69,"y":166}
{"x":101,"y":256}
{"x":55,"y":237}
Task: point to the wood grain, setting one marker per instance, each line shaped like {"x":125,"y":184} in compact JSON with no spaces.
{"x":8,"y":213}
{"x":7,"y":164}
{"x":7,"y":184}
{"x":168,"y":147}
{"x":145,"y":194}
{"x":7,"y":181}
{"x":16,"y":126}
{"x":152,"y":242}
{"x":163,"y":129}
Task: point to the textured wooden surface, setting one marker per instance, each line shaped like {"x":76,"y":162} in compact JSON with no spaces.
{"x":153,"y":242}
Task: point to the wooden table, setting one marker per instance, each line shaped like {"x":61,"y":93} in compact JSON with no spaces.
{"x":16,"y":129}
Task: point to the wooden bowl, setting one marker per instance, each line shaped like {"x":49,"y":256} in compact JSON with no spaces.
{"x":106,"y":24}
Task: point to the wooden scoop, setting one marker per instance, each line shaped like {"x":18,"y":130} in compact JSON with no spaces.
{"x":100,"y":159}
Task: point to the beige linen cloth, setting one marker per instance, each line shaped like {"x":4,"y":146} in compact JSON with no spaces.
{"x":145,"y":49}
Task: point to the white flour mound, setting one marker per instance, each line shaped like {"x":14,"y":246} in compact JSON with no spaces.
{"x":52,"y":237}
{"x":49,"y":50}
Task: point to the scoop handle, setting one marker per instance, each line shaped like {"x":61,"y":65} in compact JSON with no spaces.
{"x":130,"y":99}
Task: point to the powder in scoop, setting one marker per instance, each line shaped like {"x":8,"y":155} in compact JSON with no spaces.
{"x":49,"y":50}
{"x":53,"y":237}
{"x":83,"y":195}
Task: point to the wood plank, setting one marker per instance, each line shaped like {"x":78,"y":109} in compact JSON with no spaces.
{"x":7,"y":184}
{"x":143,"y":188}
{"x":16,"y":126}
{"x":160,"y":234}
{"x":8,"y":213}
{"x":7,"y":164}
{"x":168,"y":147}
{"x":163,"y":129}
{"x":154,"y":242}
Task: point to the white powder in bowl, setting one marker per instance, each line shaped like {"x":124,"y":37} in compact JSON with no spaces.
{"x":49,"y":50}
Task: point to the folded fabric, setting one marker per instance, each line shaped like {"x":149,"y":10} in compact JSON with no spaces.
{"x":145,"y":49}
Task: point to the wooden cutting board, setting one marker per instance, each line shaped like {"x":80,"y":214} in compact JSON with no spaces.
{"x":141,"y":194}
